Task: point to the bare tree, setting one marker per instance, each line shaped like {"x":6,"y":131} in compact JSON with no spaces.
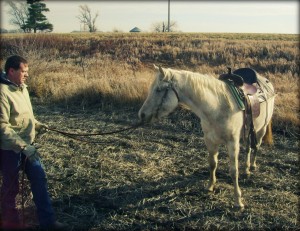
{"x":19,"y":14}
{"x":86,"y":18}
{"x":161,"y":26}
{"x":158,"y":27}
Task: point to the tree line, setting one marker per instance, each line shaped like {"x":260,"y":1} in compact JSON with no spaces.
{"x":29,"y":17}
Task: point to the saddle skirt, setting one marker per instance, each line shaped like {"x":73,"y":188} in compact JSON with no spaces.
{"x":257,"y":93}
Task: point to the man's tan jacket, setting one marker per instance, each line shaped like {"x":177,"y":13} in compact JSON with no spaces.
{"x":17,"y":122}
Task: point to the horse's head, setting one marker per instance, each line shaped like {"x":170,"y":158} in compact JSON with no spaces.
{"x":162,"y":98}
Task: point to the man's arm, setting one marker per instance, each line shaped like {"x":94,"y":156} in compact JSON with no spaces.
{"x":10,"y":140}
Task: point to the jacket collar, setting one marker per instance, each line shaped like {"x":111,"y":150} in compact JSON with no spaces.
{"x":5,"y":80}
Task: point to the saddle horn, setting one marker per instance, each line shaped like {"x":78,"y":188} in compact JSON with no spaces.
{"x":238,"y":80}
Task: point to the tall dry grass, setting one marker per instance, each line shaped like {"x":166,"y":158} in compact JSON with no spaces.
{"x":95,"y":81}
{"x":115,"y":69}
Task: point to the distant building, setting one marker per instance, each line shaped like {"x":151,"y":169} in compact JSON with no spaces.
{"x":84,"y":27}
{"x":2,"y":31}
{"x":136,"y":29}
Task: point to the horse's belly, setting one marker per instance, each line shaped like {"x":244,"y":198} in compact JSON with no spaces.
{"x":222,"y":131}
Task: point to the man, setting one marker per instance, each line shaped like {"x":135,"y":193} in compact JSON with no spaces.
{"x":17,"y":133}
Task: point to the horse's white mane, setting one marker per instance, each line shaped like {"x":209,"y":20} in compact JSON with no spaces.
{"x":199,"y":83}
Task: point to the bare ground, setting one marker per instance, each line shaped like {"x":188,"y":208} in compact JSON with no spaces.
{"x":154,"y":178}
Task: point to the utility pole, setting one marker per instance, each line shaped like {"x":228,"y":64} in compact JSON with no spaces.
{"x":168,"y":15}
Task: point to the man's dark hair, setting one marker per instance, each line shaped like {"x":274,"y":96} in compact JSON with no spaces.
{"x":14,"y":62}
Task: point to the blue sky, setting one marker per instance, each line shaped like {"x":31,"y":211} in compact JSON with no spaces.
{"x":190,"y":16}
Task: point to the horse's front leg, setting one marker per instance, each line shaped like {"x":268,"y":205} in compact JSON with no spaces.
{"x":213,"y":163}
{"x":233,"y":150}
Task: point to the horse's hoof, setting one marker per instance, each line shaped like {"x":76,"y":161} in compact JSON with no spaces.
{"x":210,"y":189}
{"x":239,"y":207}
{"x":246,"y":174}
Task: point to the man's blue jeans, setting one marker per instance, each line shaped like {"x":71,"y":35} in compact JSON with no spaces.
{"x":10,"y":165}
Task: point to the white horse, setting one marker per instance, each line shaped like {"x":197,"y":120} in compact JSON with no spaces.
{"x":221,"y":118}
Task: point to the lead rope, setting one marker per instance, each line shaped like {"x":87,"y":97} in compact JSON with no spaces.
{"x":96,"y":134}
{"x":76,"y":136}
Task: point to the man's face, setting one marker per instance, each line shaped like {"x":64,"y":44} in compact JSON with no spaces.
{"x":18,"y":76}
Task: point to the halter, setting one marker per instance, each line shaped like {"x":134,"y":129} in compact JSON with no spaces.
{"x":176,"y":93}
{"x":170,"y":86}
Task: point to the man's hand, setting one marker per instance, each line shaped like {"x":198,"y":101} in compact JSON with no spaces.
{"x":31,"y":153}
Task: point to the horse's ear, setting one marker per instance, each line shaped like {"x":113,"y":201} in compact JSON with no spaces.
{"x":156,"y":67}
{"x":162,"y":71}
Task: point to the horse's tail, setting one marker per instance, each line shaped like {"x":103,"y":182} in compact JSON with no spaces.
{"x":268,"y":137}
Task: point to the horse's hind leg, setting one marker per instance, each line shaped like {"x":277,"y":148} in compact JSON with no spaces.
{"x":248,"y":160}
{"x":253,"y":165}
{"x":233,"y":150}
{"x":252,"y":153}
{"x":259,"y":137}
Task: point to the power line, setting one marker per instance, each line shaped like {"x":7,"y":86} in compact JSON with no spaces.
{"x":168,"y":15}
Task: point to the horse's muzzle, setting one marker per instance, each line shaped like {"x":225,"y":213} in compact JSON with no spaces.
{"x":144,"y":119}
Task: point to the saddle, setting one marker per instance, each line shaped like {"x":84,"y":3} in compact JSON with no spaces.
{"x":243,"y":84}
{"x":246,"y":82}
{"x":249,"y":91}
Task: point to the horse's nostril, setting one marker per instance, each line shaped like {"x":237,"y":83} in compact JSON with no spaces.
{"x":143,"y":115}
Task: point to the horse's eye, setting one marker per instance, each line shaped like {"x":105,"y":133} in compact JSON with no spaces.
{"x":158,"y":90}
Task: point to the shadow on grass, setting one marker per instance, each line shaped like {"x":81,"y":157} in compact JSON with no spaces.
{"x":126,"y":207}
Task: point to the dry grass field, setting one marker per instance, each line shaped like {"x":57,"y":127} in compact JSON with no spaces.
{"x":154,"y":177}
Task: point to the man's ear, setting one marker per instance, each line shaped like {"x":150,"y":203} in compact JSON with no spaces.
{"x":10,"y":71}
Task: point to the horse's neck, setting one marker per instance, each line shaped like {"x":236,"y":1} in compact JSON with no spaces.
{"x":202,"y":94}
